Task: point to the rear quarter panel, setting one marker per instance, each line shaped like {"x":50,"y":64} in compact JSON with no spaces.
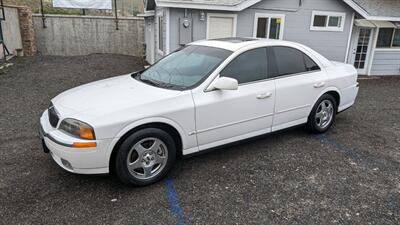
{"x":344,"y":78}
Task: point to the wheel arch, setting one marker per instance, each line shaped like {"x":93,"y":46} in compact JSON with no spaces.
{"x":335,"y":92}
{"x":168,"y":126}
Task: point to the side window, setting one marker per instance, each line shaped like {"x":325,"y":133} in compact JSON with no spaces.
{"x":291,"y":61}
{"x":310,"y":64}
{"x":247,"y":67}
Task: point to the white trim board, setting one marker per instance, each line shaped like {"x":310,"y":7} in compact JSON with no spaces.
{"x":269,"y":16}
{"x":167,"y":44}
{"x":222,"y":15}
{"x":159,"y":14}
{"x":346,"y":58}
{"x":374,"y":42}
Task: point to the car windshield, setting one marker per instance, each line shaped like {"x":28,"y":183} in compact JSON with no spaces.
{"x":184,"y":68}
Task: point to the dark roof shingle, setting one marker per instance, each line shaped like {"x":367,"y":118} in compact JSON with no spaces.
{"x":384,"y":8}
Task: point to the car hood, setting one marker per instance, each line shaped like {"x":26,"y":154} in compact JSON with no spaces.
{"x":108,"y":96}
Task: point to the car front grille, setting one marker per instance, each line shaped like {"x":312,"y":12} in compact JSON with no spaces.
{"x":53,"y":116}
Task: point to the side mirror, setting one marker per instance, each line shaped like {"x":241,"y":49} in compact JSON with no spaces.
{"x":226,"y":83}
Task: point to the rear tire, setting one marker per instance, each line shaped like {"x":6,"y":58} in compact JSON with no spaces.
{"x":145,"y":157}
{"x":322,"y":115}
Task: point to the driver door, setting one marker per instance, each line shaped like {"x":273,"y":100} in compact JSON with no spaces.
{"x":224,"y":116}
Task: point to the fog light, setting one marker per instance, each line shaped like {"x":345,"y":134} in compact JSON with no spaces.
{"x":66,"y":164}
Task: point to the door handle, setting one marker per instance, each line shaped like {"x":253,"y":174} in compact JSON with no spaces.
{"x":319,"y":84}
{"x":264,"y":95}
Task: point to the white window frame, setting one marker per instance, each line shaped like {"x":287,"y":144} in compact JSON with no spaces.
{"x":221,"y":15}
{"x":328,"y":15}
{"x":160,"y":14}
{"x":269,"y":16}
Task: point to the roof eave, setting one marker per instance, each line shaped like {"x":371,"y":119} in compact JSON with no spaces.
{"x":366,"y":15}
{"x":188,"y":5}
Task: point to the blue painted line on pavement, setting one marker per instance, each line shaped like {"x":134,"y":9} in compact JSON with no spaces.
{"x":173,"y":202}
{"x":351,"y":153}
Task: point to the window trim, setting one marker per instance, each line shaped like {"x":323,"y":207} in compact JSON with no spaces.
{"x":315,"y":60}
{"x":159,"y":16}
{"x":391,"y":47}
{"x":328,"y":14}
{"x":221,"y":15}
{"x":269,"y":16}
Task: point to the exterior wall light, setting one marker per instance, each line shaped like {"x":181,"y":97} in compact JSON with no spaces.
{"x":202,"y":16}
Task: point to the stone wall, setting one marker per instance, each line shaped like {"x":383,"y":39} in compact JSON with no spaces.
{"x":27,"y":31}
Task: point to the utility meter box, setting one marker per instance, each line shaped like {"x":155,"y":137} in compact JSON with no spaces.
{"x":185,"y":30}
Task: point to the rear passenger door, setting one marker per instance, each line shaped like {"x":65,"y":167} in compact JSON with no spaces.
{"x":298,"y":82}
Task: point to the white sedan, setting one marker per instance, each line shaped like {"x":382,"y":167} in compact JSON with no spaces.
{"x":207,"y":94}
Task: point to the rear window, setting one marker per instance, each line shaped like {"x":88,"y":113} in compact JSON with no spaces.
{"x":289,"y":60}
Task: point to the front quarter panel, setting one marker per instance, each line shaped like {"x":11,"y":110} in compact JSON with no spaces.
{"x":177,"y":112}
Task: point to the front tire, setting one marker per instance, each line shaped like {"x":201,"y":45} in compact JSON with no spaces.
{"x":145,"y":157}
{"x":322,"y":115}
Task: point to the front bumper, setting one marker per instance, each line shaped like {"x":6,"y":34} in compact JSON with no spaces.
{"x":76,"y":160}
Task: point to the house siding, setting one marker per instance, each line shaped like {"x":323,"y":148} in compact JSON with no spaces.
{"x":386,"y":63}
{"x":332,"y":45}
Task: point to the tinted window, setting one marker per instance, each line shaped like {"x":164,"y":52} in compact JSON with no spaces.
{"x":310,"y":64}
{"x":247,"y":67}
{"x":290,"y":61}
{"x":396,"y":38}
{"x":385,"y":37}
{"x":320,"y":21}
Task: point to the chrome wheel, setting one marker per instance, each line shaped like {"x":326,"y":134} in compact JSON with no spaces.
{"x":147,"y":158}
{"x":324,"y":114}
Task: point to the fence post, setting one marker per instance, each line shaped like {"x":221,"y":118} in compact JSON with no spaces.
{"x":116,"y":15}
{"x":43,"y":16}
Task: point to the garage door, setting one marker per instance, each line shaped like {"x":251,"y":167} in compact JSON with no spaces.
{"x":221,"y":26}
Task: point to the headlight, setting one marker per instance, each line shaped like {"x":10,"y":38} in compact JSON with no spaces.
{"x":77,"y":129}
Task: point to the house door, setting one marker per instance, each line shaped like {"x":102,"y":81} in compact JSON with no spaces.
{"x":361,"y":48}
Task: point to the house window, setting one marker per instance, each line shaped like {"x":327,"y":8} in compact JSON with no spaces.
{"x":327,"y":21}
{"x":221,"y":25}
{"x":268,"y":26}
{"x":161,"y":34}
{"x":388,"y":38}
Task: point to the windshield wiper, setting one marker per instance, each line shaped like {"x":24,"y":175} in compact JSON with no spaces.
{"x":151,"y":82}
{"x":136,"y":74}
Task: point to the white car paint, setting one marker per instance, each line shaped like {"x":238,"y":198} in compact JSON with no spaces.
{"x":204,"y":118}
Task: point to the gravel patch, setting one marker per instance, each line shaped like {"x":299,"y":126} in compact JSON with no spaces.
{"x":350,"y":175}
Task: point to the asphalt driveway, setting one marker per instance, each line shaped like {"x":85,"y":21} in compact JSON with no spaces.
{"x":350,"y":175}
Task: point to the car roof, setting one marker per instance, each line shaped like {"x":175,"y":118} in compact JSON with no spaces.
{"x":235,"y":43}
